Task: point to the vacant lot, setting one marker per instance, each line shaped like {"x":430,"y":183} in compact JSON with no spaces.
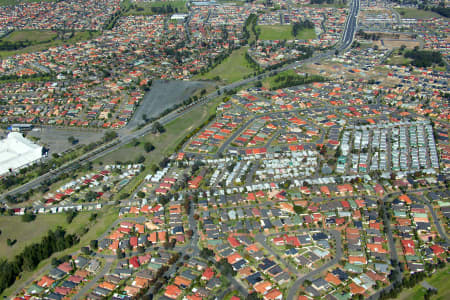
{"x":437,"y":280}
{"x":163,"y":95}
{"x":27,"y":233}
{"x":414,"y":13}
{"x":284,"y":32}
{"x":15,"y":2}
{"x":391,"y":44}
{"x":105,"y":218}
{"x":398,"y":59}
{"x":275,"y":32}
{"x":78,"y":36}
{"x":145,"y":8}
{"x":38,"y":36}
{"x":233,"y":68}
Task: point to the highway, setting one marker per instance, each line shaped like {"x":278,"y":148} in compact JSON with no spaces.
{"x":350,"y":26}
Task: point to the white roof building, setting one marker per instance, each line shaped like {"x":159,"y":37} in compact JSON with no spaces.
{"x":17,"y":152}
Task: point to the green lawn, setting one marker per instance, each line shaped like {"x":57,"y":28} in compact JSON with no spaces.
{"x":105,"y":218}
{"x":145,"y":8}
{"x":288,"y":78}
{"x":15,"y":2}
{"x":306,"y":34}
{"x":438,"y":280}
{"x":233,"y":68}
{"x":397,"y":58}
{"x":269,"y":82}
{"x":284,"y":32}
{"x":336,"y":4}
{"x":37,"y":36}
{"x":41,"y":45}
{"x":275,"y":32}
{"x":27,"y":233}
{"x":414,"y":13}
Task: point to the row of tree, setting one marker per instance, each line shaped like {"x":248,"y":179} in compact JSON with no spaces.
{"x":288,"y":80}
{"x":301,"y":25}
{"x":424,"y":58}
{"x":33,"y":254}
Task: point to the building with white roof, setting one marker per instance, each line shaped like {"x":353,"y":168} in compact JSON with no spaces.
{"x":17,"y":152}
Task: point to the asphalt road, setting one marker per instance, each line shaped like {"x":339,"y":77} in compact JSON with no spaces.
{"x":260,"y":238}
{"x":350,"y":25}
{"x":436,"y":221}
{"x":86,"y":288}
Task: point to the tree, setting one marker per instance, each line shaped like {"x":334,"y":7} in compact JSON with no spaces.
{"x":93,"y":217}
{"x":148,"y":147}
{"x":206,"y":253}
{"x":225,"y":267}
{"x":109,"y":136}
{"x":85,"y":250}
{"x":140,"y":159}
{"x":70,"y":215}
{"x":28,"y":217}
{"x":157,"y":128}
{"x":140,"y":194}
{"x":72,"y":140}
{"x":252,"y":296}
{"x":93,"y":244}
{"x":120,"y":254}
{"x":299,"y":209}
{"x":90,"y":196}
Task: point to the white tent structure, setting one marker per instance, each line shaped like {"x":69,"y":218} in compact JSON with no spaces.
{"x":17,"y":152}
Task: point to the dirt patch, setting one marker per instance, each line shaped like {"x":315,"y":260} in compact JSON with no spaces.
{"x":391,"y":44}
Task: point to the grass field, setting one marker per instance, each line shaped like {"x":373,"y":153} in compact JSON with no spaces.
{"x":27,"y":233}
{"x":232,"y":69}
{"x":414,"y":13}
{"x":284,"y":32}
{"x":105,"y":218}
{"x":437,"y":280}
{"x":335,"y":5}
{"x":15,"y":2}
{"x":37,"y":36}
{"x":306,"y":34}
{"x":269,"y":82}
{"x":275,"y":32}
{"x":79,"y":36}
{"x":145,"y":8}
{"x":289,"y":78}
{"x":397,"y":58}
